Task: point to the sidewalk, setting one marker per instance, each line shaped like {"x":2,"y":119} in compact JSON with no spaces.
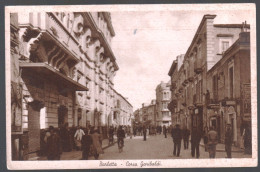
{"x":221,"y":148}
{"x":76,"y":155}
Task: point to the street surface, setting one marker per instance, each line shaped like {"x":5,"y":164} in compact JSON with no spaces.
{"x":155,"y":147}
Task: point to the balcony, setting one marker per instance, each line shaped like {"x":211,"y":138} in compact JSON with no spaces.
{"x":180,"y":90}
{"x":173,"y":86}
{"x":172,"y":105}
{"x":198,"y":66}
{"x":185,"y":82}
{"x":213,"y":104}
{"x":196,"y":101}
{"x":190,"y":79}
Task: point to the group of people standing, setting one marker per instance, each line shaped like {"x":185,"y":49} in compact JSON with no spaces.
{"x":87,"y":140}
{"x":210,"y":140}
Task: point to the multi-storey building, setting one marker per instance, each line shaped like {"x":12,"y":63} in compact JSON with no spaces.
{"x":176,"y":106}
{"x":147,"y":113}
{"x":189,"y":82}
{"x":66,"y":72}
{"x":229,"y":97}
{"x":124,"y":113}
{"x":163,"y":98}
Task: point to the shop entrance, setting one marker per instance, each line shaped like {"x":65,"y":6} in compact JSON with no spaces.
{"x":62,"y":115}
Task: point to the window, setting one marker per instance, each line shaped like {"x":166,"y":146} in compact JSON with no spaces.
{"x":231,"y":82}
{"x":225,"y":45}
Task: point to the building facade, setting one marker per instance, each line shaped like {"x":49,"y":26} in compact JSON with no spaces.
{"x":229,"y":96}
{"x":163,"y":98}
{"x":146,"y":114}
{"x":191,"y":83}
{"x":66,"y":73}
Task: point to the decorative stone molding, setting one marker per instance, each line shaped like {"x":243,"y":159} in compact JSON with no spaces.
{"x":78,"y":25}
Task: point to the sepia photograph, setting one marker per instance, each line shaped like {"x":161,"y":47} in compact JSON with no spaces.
{"x":140,"y":86}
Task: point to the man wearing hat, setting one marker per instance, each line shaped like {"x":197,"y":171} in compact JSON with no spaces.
{"x":228,"y":140}
{"x":177,"y":136}
{"x":212,"y":142}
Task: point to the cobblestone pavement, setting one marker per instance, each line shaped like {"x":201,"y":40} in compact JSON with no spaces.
{"x":156,"y":147}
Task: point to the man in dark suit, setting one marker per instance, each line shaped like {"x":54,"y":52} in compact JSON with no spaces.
{"x":86,"y":143}
{"x":195,"y":142}
{"x":177,"y":136}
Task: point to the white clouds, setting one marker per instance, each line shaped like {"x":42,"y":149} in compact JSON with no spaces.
{"x":146,"y":43}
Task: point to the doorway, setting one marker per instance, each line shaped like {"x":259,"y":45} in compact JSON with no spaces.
{"x":62,"y":115}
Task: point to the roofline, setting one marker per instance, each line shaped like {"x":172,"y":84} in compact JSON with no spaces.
{"x":206,"y":16}
{"x":110,"y":26}
{"x":122,"y":97}
{"x":232,"y":25}
{"x":225,"y":54}
{"x":173,"y":67}
{"x":101,"y":34}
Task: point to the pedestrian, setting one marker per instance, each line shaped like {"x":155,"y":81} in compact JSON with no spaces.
{"x":228,"y":141}
{"x":212,"y":142}
{"x":65,"y":138}
{"x":195,"y":142}
{"x":131,"y":132}
{"x":186,"y":135}
{"x":97,"y":143}
{"x":54,"y":146}
{"x":134,"y":131}
{"x":111,"y":135}
{"x":164,"y":131}
{"x":78,"y":136}
{"x":247,"y":140}
{"x":86,"y":143}
{"x":177,"y":136}
{"x":205,"y":138}
{"x":144,"y":132}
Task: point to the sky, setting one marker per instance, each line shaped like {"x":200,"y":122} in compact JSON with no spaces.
{"x":146,"y":43}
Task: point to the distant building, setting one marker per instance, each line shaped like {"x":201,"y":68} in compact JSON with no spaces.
{"x":163,"y":98}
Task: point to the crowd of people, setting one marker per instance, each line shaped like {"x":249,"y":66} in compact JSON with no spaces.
{"x":89,"y":140}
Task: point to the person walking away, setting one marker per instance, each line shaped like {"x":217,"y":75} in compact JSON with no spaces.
{"x":195,"y":142}
{"x":131,"y":132}
{"x":78,"y":136}
{"x":97,"y":143}
{"x":111,"y":135}
{"x":144,"y":132}
{"x":134,"y":131}
{"x":65,"y":138}
{"x":186,"y":135}
{"x":120,"y":135}
{"x":86,"y":143}
{"x":205,"y":139}
{"x":212,"y":142}
{"x":164,"y":131}
{"x":54,"y":146}
{"x":228,"y":140}
{"x":177,"y":136}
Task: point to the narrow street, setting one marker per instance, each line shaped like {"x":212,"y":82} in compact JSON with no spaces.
{"x":155,"y":147}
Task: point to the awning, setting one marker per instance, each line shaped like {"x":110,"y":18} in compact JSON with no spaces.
{"x":46,"y":70}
